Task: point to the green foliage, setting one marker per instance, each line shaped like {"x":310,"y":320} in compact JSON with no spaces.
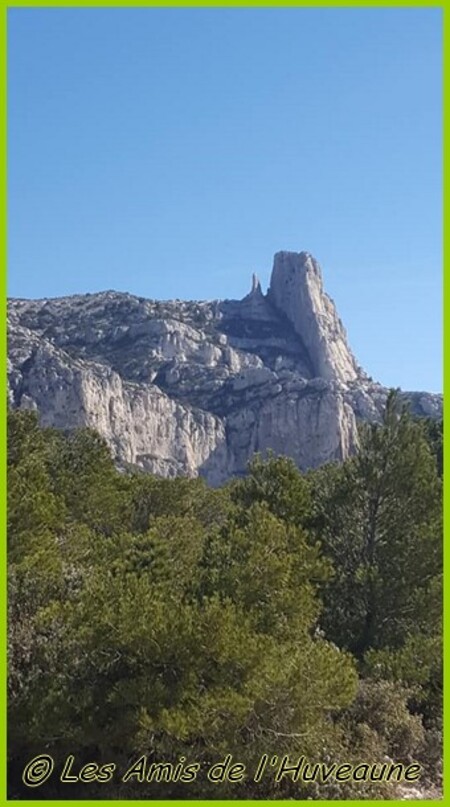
{"x":379,"y":519}
{"x":417,"y":664}
{"x":380,"y":721}
{"x":434,"y":434}
{"x":277,"y":483}
{"x":161,"y":617}
{"x":268,"y":566}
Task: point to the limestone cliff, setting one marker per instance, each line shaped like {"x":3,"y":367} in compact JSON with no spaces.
{"x":199,"y":387}
{"x":296,"y":289}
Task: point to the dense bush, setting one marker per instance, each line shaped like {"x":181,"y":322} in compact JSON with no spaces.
{"x":282,"y":614}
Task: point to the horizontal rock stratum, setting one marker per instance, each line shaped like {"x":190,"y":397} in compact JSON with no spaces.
{"x":198,"y":387}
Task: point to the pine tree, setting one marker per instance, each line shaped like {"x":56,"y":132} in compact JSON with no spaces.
{"x":379,"y":516}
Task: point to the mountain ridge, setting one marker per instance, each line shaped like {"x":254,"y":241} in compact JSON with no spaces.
{"x":197,"y":387}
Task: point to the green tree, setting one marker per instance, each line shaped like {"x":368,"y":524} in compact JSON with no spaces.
{"x":159,"y":617}
{"x":434,"y":434}
{"x":278,"y":483}
{"x":379,"y":518}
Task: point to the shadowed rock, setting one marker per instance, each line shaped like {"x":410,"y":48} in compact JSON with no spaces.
{"x":196,"y":387}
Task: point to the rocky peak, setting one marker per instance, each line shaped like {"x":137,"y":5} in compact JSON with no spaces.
{"x":296,"y":290}
{"x":192,"y":387}
{"x":256,"y":285}
{"x":254,"y":305}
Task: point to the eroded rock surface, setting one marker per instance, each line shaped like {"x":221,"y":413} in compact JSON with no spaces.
{"x":198,"y":387}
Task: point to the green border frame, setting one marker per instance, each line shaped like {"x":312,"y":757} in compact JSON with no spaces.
{"x":4,"y":6}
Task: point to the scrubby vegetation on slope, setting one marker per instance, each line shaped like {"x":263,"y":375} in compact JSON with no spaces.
{"x":284,"y":613}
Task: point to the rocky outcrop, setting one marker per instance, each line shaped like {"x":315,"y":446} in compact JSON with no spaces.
{"x":296,"y":290}
{"x":199,"y":387}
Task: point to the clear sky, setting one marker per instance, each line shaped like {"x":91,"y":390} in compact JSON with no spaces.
{"x":171,"y":152}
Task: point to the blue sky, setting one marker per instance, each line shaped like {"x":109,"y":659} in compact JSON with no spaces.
{"x":171,"y":152}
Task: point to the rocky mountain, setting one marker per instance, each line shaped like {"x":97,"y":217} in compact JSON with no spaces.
{"x":198,"y":387}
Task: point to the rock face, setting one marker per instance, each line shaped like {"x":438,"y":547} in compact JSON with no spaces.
{"x":199,"y":387}
{"x":296,"y":290}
